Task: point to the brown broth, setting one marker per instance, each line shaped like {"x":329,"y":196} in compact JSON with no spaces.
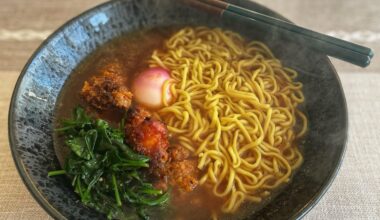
{"x":133,"y":50}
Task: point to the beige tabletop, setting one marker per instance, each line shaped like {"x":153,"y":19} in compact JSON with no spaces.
{"x":355,"y":193}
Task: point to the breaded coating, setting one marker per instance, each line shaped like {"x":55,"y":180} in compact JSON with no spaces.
{"x":183,"y":174}
{"x":136,"y":115}
{"x":169,"y":165}
{"x":147,"y":136}
{"x":150,"y":138}
{"x":178,"y":153}
{"x":107,"y":90}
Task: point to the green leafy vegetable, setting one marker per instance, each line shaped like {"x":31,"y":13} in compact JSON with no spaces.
{"x":106,"y":173}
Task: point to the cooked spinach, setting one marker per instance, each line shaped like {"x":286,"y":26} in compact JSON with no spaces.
{"x":106,"y":173}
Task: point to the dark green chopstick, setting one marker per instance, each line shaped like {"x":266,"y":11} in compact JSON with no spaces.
{"x":288,"y":26}
{"x":341,"y":53}
{"x":347,"y":51}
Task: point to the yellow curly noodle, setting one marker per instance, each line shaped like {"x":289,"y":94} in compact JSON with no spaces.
{"x":235,"y":106}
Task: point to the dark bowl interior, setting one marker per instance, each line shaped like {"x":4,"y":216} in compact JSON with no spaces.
{"x":36,"y":92}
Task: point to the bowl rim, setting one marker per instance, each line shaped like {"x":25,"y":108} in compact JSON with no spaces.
{"x":44,"y":203}
{"x":53,"y":212}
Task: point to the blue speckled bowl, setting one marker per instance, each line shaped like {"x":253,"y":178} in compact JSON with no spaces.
{"x":32,"y":107}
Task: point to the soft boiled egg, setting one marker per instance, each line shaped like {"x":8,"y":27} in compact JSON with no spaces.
{"x":148,"y":87}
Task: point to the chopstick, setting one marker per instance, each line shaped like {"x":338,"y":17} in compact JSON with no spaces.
{"x":344,"y":50}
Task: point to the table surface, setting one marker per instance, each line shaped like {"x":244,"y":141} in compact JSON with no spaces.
{"x":355,"y":193}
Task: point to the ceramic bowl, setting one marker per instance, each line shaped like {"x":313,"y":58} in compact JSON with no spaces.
{"x":35,"y":95}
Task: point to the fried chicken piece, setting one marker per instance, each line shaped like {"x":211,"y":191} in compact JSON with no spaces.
{"x":169,"y":165}
{"x":136,"y":115}
{"x":108,"y":90}
{"x":183,"y":174}
{"x":148,"y":136}
{"x":178,"y":153}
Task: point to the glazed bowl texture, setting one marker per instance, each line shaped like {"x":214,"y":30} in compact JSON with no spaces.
{"x":32,"y":109}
